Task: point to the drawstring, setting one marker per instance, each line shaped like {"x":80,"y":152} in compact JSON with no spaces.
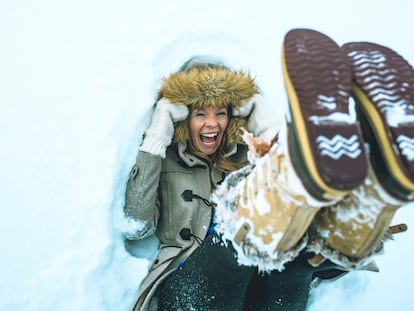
{"x":186,"y":234}
{"x":188,"y":196}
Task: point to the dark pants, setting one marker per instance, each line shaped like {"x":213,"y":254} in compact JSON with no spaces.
{"x":211,"y":279}
{"x":289,"y":289}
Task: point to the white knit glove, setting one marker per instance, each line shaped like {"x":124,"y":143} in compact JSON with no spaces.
{"x":159,"y":134}
{"x":257,"y":117}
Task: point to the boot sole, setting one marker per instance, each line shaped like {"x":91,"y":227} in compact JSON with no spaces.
{"x":384,"y":91}
{"x":325,"y":141}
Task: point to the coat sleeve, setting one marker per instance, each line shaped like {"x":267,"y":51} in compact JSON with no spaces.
{"x":141,"y":197}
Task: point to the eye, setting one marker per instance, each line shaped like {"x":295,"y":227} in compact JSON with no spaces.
{"x":222,"y":113}
{"x":198,"y":113}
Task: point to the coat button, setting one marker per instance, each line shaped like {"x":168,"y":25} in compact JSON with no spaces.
{"x":185,"y":234}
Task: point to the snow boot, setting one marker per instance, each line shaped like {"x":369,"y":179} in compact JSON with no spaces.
{"x":352,"y":230}
{"x":325,"y":140}
{"x":264,"y":211}
{"x":384,"y":90}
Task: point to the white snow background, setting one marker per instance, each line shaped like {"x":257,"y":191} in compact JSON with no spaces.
{"x":77,"y":79}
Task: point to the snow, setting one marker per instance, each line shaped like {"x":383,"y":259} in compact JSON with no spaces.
{"x":336,"y":116}
{"x":77,"y":80}
{"x":406,"y":144}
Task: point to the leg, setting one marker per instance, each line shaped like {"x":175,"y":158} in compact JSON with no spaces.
{"x":255,"y":292}
{"x":288,"y":290}
{"x":210,"y":279}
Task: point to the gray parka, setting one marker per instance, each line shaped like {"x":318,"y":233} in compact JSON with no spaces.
{"x":171,"y":196}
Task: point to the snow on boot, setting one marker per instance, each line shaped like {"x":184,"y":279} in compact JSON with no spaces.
{"x":264,"y":211}
{"x":325,"y":140}
{"x":384,"y":90}
{"x":351,"y":231}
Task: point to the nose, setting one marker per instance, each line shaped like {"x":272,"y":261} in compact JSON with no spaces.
{"x":211,"y":121}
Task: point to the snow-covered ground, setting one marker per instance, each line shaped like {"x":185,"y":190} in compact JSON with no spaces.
{"x":76,"y":81}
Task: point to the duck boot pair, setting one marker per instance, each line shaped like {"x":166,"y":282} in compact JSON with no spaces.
{"x":351,"y":139}
{"x":315,"y":179}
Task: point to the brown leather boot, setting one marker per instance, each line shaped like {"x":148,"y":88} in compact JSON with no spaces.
{"x":352,"y":230}
{"x":326,"y":143}
{"x":384,"y":91}
{"x":265,"y":211}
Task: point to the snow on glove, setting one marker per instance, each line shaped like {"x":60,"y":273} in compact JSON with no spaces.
{"x":159,"y":134}
{"x":257,"y":118}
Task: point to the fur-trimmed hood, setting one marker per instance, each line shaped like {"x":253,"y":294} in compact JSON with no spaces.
{"x":209,"y":87}
{"x":204,"y":87}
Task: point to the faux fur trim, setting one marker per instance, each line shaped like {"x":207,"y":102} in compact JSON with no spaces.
{"x":205,"y":87}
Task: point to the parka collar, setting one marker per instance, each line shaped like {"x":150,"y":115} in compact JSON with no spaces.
{"x":191,"y":160}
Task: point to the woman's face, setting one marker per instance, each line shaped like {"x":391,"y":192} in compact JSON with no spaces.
{"x":207,"y":128}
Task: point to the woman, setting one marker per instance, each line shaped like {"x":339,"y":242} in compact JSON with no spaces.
{"x":170,"y":186}
{"x":190,"y":151}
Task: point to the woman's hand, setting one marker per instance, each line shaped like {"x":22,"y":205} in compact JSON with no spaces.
{"x":159,"y":134}
{"x":257,"y":117}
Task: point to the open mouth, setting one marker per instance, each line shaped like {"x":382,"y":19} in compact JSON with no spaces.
{"x":209,"y":138}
